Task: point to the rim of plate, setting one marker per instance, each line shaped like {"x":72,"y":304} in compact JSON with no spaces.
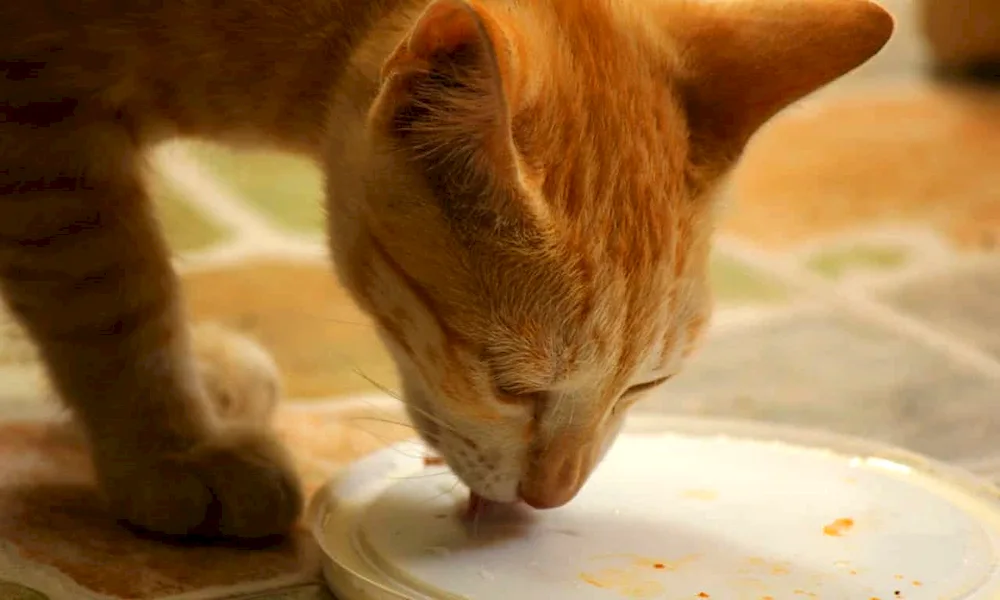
{"x":845,"y":445}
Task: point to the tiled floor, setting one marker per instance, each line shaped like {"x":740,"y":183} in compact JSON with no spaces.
{"x":857,"y":277}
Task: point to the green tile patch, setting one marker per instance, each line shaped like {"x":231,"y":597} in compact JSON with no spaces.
{"x":284,"y":187}
{"x":736,"y":283}
{"x":186,"y":228}
{"x":834,"y":264}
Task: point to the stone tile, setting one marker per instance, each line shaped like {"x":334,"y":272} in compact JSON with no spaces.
{"x":319,"y":338}
{"x":286,"y":188}
{"x":52,"y":515}
{"x":185,"y":227}
{"x":339,"y":435}
{"x":25,"y":391}
{"x":24,"y":386}
{"x":880,"y":155}
{"x":324,"y":440}
{"x":297,"y":310}
{"x":736,"y":283}
{"x":15,"y":347}
{"x":966,"y":304}
{"x":835,"y":372}
{"x":836,"y":263}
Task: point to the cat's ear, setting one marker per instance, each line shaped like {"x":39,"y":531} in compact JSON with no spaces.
{"x":448,"y":83}
{"x":743,"y":61}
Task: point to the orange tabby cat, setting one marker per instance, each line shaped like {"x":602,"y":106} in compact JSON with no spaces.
{"x":520,"y":195}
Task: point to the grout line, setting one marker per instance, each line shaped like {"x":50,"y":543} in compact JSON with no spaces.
{"x":727,"y":319}
{"x":914,"y":238}
{"x":860,"y":303}
{"x":890,"y":282}
{"x":244,"y":250}
{"x":252,"y":233}
{"x":212,"y":196}
{"x":928,"y":255}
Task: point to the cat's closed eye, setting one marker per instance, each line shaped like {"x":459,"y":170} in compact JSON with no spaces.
{"x":511,"y":395}
{"x":636,"y":391}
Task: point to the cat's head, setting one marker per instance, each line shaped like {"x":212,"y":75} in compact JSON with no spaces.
{"x":527,"y":213}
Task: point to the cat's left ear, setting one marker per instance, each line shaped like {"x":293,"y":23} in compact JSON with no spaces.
{"x":450,"y":82}
{"x":743,"y":61}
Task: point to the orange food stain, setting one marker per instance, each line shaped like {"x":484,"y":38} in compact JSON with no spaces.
{"x":703,"y":595}
{"x":767,"y":598}
{"x":853,"y":572}
{"x":898,"y":577}
{"x":838,"y":527}
{"x":631,"y":580}
{"x":433,"y":461}
{"x":753,"y":582}
{"x":917,"y":584}
{"x":628,"y":583}
{"x":588,"y":578}
{"x":706,"y":495}
{"x":776,"y":568}
{"x":644,"y":562}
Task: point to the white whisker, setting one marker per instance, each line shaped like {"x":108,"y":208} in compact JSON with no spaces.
{"x":382,"y":388}
{"x":424,"y":413}
{"x":422,"y":476}
{"x":383,"y":420}
{"x":446,"y":492}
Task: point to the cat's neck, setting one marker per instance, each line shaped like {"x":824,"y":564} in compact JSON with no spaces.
{"x":265,"y":72}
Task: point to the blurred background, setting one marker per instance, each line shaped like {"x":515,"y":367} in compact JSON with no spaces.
{"x":856,"y":273}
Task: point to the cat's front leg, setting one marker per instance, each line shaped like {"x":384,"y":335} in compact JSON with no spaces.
{"x":83,"y":266}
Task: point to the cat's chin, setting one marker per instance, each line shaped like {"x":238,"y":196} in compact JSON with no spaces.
{"x":479,"y":508}
{"x":477,"y":505}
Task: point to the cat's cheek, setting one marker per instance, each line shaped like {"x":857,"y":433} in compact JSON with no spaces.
{"x":614,"y":427}
{"x":409,"y":372}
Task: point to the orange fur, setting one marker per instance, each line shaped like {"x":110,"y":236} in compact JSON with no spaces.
{"x":519,"y":194}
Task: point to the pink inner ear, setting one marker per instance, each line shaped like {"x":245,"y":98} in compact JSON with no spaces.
{"x":444,"y":26}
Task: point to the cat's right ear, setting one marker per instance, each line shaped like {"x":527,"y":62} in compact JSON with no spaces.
{"x":448,"y":84}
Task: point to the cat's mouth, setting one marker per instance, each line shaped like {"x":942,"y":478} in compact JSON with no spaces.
{"x":477,"y":505}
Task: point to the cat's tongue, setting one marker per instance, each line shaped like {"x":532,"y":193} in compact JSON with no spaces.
{"x":477,"y":506}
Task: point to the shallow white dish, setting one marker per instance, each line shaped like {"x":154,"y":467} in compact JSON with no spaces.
{"x":678,"y":509}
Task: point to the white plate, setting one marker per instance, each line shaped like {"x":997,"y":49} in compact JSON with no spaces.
{"x":678,"y":509}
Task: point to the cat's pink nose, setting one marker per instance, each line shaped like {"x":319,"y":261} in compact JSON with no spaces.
{"x":548,"y":498}
{"x":556,"y":476}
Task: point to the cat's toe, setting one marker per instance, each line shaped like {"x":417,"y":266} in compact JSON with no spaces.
{"x":238,"y":485}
